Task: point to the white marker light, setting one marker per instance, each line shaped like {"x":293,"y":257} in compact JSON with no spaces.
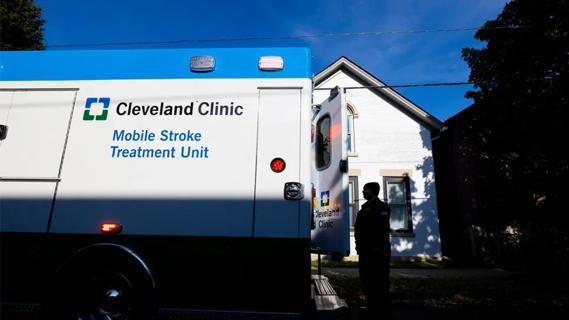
{"x":271,"y":63}
{"x":202,"y":63}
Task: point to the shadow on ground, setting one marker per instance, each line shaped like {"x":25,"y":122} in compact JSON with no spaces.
{"x":470,"y":294}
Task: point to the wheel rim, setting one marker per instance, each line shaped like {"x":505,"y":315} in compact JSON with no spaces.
{"x":108,"y":296}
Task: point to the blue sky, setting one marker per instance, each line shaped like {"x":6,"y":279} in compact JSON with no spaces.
{"x":395,"y":59}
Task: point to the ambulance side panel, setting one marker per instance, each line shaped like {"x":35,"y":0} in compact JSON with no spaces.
{"x":212,"y":227}
{"x":173,"y":193}
{"x":31,"y":155}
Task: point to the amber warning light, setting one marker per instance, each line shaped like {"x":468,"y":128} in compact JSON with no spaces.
{"x":111,"y":228}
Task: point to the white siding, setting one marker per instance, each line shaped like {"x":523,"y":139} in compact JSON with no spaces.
{"x":386,"y":138}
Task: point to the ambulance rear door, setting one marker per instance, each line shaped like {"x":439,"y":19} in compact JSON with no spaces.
{"x":278,"y":163}
{"x":330,"y":176}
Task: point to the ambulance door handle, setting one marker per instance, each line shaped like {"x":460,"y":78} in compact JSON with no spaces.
{"x":293,"y":191}
{"x":344,"y":166}
{"x":3,"y":132}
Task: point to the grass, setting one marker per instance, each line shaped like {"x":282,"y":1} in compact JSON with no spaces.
{"x":328,"y":263}
{"x":511,"y":292}
{"x":402,"y":264}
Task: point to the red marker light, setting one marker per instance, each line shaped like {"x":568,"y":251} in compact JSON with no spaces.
{"x":278,"y":165}
{"x":111,"y":228}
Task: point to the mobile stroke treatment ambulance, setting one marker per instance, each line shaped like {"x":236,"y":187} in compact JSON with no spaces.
{"x":170,"y":183}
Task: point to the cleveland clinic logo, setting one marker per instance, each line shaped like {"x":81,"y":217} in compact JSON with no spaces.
{"x":325,"y":198}
{"x":88,"y":116}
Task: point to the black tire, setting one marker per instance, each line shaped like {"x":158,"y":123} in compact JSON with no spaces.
{"x":103,"y":281}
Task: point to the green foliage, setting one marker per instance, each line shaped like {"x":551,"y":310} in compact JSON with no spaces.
{"x":326,"y":262}
{"x":20,"y":25}
{"x":517,"y":127}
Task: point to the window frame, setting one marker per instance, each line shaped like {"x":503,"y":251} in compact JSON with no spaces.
{"x":351,"y":123}
{"x":408,"y":205}
{"x":356,"y":205}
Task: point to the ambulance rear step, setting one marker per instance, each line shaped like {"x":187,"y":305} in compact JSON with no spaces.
{"x":328,"y":304}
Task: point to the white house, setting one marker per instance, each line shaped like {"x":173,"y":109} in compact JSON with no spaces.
{"x":390,"y":143}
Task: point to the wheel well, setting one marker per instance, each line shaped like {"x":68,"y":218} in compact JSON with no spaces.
{"x":113,"y":253}
{"x":76,"y":280}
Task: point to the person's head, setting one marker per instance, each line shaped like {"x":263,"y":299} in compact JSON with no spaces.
{"x":371,"y":190}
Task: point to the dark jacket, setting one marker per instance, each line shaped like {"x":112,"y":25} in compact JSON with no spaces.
{"x":372,"y":227}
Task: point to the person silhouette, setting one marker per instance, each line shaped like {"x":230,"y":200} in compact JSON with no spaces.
{"x":374,"y":250}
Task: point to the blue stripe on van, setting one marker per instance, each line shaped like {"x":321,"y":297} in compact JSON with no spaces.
{"x":148,"y":64}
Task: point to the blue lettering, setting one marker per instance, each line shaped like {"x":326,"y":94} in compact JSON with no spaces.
{"x":118,"y":136}
{"x":189,"y":152}
{"x":143,"y":135}
{"x":115,"y":151}
{"x":164,"y":135}
{"x":170,"y":135}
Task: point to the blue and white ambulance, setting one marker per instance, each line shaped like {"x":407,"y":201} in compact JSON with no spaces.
{"x":173,"y":182}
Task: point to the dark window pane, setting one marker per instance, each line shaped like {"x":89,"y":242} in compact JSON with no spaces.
{"x":323,"y":145}
{"x":396,"y":192}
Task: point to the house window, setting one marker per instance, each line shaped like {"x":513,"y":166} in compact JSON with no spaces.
{"x":354,"y":200}
{"x":351,"y":137}
{"x":397,"y":194}
{"x":323,"y":145}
